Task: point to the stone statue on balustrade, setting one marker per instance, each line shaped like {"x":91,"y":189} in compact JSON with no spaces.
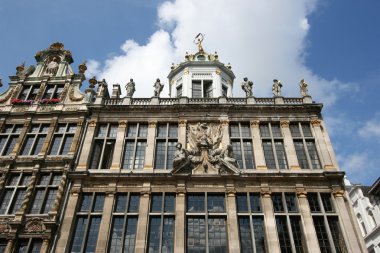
{"x":130,"y":87}
{"x":247,"y":87}
{"x":158,"y":87}
{"x":276,"y":88}
{"x":303,"y":88}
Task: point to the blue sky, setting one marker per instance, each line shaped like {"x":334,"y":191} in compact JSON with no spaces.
{"x":333,"y":44}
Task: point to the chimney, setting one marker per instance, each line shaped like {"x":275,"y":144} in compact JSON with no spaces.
{"x":116,"y":91}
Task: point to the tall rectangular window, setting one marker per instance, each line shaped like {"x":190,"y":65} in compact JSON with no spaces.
{"x":207,"y":89}
{"x":241,"y":141}
{"x":161,"y":223}
{"x":206,"y":225}
{"x":62,"y":139}
{"x":29,"y":92}
{"x":288,"y":223}
{"x":53,"y":91}
{"x":326,"y":223}
{"x":13,"y":193}
{"x":45,"y":193}
{"x":8,"y":138}
{"x":273,"y":146}
{"x":304,"y":144}
{"x":196,"y":89}
{"x":88,"y":218}
{"x":135,"y":146}
{"x":103,"y":146}
{"x":34,"y":139}
{"x":251,"y":223}
{"x":166,"y":140}
{"x":124,"y":223}
{"x":179,"y":91}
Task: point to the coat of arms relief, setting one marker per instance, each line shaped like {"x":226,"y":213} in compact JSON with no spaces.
{"x":204,"y":154}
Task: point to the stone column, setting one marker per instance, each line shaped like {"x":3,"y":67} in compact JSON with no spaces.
{"x":289,"y":146}
{"x":85,"y":153}
{"x":28,"y":194}
{"x":353,"y":240}
{"x":149,"y":154}
{"x":182,"y":132}
{"x":329,"y":146}
{"x":48,"y":138}
{"x":273,"y":244}
{"x":4,"y":173}
{"x":257,"y":145}
{"x":117,"y":154}
{"x":9,"y":248}
{"x":101,"y":245}
{"x":180,"y":219}
{"x":142,"y":224}
{"x":68,"y":221}
{"x":310,"y":235}
{"x":76,"y":139}
{"x":321,"y":144}
{"x":225,"y":131}
{"x":21,"y":138}
{"x":232,"y":223}
{"x":58,"y":199}
{"x":45,"y":246}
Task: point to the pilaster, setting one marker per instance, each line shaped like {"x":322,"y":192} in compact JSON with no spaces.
{"x":179,"y":236}
{"x":117,"y":154}
{"x":76,"y":138}
{"x":353,"y":240}
{"x":85,"y":154}
{"x":309,"y":229}
{"x":182,"y":132}
{"x":68,"y":221}
{"x":257,"y":145}
{"x":226,"y":135}
{"x":321,"y":144}
{"x":142,"y":223}
{"x":233,"y":228}
{"x":149,"y":154}
{"x":273,"y":244}
{"x":101,"y":245}
{"x":21,"y":138}
{"x":45,"y":246}
{"x":291,"y":154}
{"x":48,"y":138}
{"x":9,"y":248}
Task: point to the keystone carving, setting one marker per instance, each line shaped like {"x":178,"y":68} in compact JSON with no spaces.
{"x":34,"y":225}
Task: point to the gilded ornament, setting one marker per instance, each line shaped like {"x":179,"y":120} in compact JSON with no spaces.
{"x":255,"y":123}
{"x":92,"y":123}
{"x":123,"y":123}
{"x":284,"y":123}
{"x":182,"y":123}
{"x":315,"y":122}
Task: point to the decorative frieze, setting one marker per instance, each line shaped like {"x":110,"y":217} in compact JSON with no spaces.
{"x":34,"y":225}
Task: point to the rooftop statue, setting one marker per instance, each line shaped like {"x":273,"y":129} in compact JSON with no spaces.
{"x":130,"y":87}
{"x":303,"y":88}
{"x":52,"y":66}
{"x":158,"y":87}
{"x":247,"y":87}
{"x":198,"y":41}
{"x":276,"y":88}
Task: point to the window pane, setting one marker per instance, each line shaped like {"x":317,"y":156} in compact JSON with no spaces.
{"x":306,"y":130}
{"x":96,"y":154}
{"x":156,"y":203}
{"x":295,"y":130}
{"x":130,"y":234}
{"x":173,"y":130}
{"x":264,"y":131}
{"x":295,"y":223}
{"x":11,"y":144}
{"x":313,"y":154}
{"x":102,"y":130}
{"x":86,"y":202}
{"x":245,"y":235}
{"x":323,"y":239}
{"x":27,"y":145}
{"x":38,"y":145}
{"x":154,"y":234}
{"x":248,"y":155}
{"x":217,"y":235}
{"x":276,"y":131}
{"x":196,"y":89}
{"x":241,"y":201}
{"x":112,"y":131}
{"x":258,"y":228}
{"x":116,"y":237}
{"x":283,"y":234}
{"x":161,"y":130}
{"x":313,"y":202}
{"x":128,"y":155}
{"x":55,"y":146}
{"x":140,"y":155}
{"x":99,"y":202}
{"x":132,"y":130}
{"x":326,"y":201}
{"x":169,"y":203}
{"x":108,"y":154}
{"x":52,"y":193}
{"x":301,"y":155}
{"x":38,"y":199}
{"x":121,"y":203}
{"x":160,"y":155}
{"x":236,"y":147}
{"x":134,"y":202}
{"x":67,"y":144}
{"x":281,"y":156}
{"x":196,"y":235}
{"x":245,"y":130}
{"x":234,"y":130}
{"x":277,"y":202}
{"x":255,"y":201}
{"x":17,"y":201}
{"x":79,"y":234}
{"x":5,"y":201}
{"x":168,"y":235}
{"x":195,"y":203}
{"x":143,"y":130}
{"x":336,"y":234}
{"x":269,"y":155}
{"x":291,"y":203}
{"x":215,"y":203}
{"x":93,"y":234}
{"x":171,"y":152}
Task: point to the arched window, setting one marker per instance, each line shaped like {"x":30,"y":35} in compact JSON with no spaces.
{"x":372,"y":219}
{"x":361,"y":222}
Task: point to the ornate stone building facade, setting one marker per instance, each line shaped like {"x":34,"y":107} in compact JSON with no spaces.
{"x":201,"y":171}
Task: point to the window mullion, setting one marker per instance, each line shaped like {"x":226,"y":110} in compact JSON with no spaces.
{"x":329,"y":235}
{"x":61,"y":144}
{"x":290,"y":231}
{"x":134,"y":152}
{"x":273,"y":146}
{"x":102,"y":153}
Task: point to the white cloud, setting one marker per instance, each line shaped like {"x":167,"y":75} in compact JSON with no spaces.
{"x":371,"y":129}
{"x":262,"y":40}
{"x":358,"y":167}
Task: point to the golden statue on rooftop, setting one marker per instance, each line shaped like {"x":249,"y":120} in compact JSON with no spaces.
{"x":198,"y":41}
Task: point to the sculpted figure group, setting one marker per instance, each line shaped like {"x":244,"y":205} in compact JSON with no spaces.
{"x":131,"y":88}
